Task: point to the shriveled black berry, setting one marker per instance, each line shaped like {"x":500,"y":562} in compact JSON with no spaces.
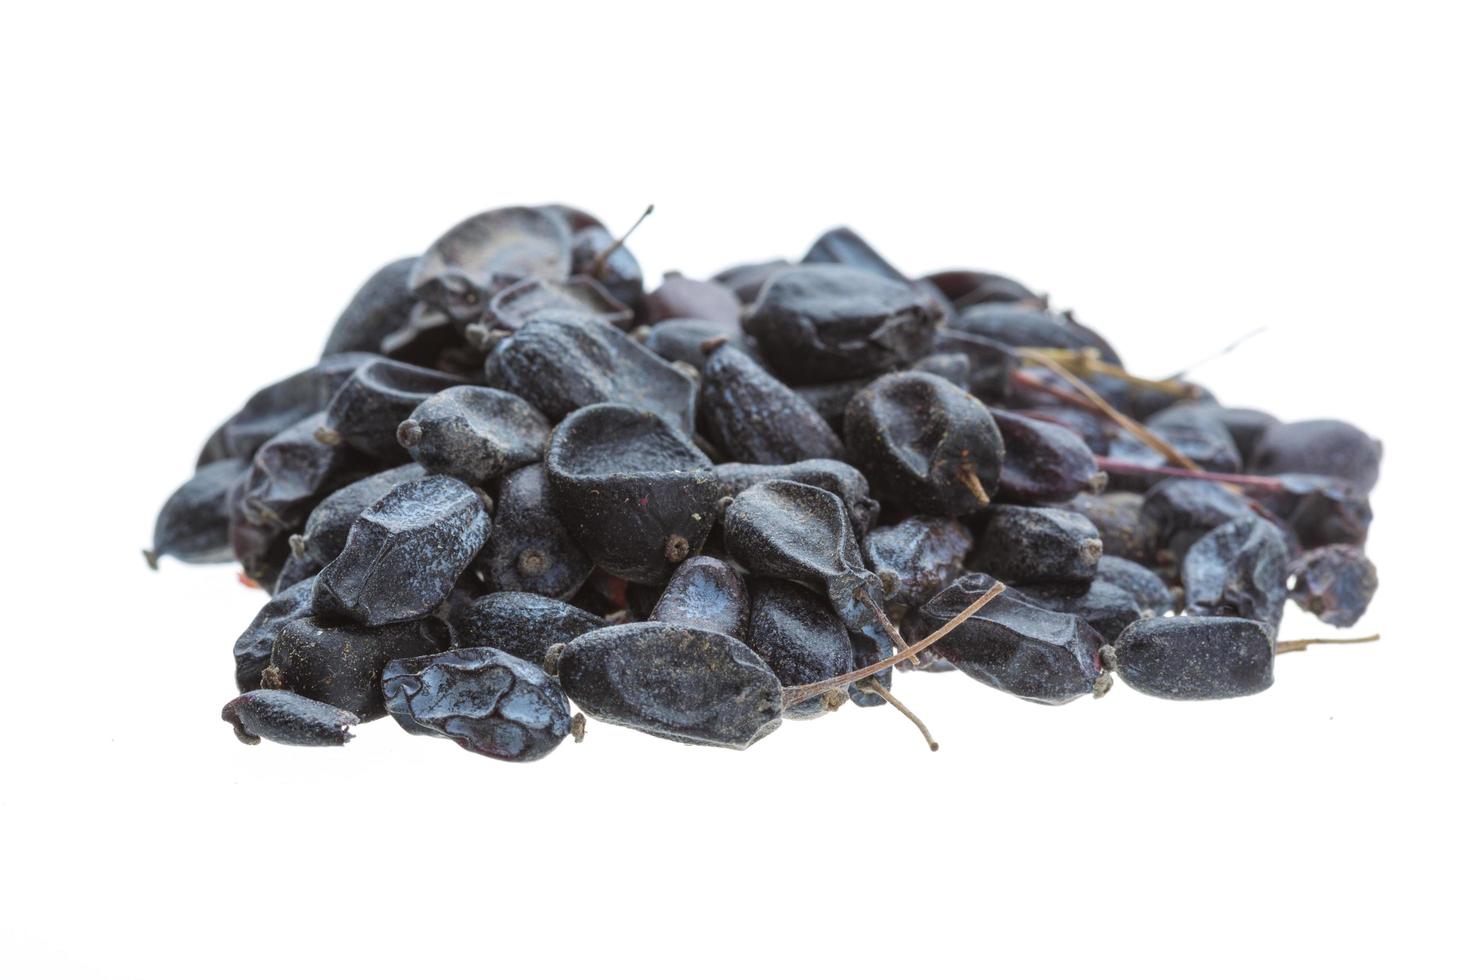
{"x":299,"y":568}
{"x":404,"y":554}
{"x":843,"y":246}
{"x":968,"y":287}
{"x":292,"y":472}
{"x":194,"y":523}
{"x":330,"y":521}
{"x":820,"y":323}
{"x":1321,"y":510}
{"x":380,"y":307}
{"x":867,"y":650}
{"x":367,"y":409}
{"x":707,"y":593}
{"x":1196,"y":430}
{"x":1245,"y":425}
{"x":253,"y":648}
{"x":560,"y":362}
{"x":474,"y":433}
{"x":482,"y":699}
{"x":482,"y":255}
{"x":795,"y":631}
{"x":530,"y":550}
{"x":631,"y":489}
{"x":1034,"y":653}
{"x":753,"y":418}
{"x":681,"y":298}
{"x":1195,"y":658}
{"x":1104,"y":606}
{"x":954,"y":368}
{"x":801,"y":533}
{"x":513,"y":307}
{"x":1179,"y":512}
{"x":676,"y":682}
{"x":916,"y":558}
{"x":829,"y":474}
{"x":289,"y":719}
{"x":1018,"y":325}
{"x":523,"y":624}
{"x":683,"y":340}
{"x":1153,"y":596}
{"x":991,"y":365}
{"x":1044,"y":463}
{"x":1334,"y":583}
{"x":342,"y":665}
{"x":1326,"y":447}
{"x":1119,"y":521}
{"x":831,"y":398}
{"x":1238,"y":569}
{"x":261,"y":549}
{"x":278,"y":406}
{"x":924,"y":444}
{"x":1039,"y":545}
{"x":746,"y":280}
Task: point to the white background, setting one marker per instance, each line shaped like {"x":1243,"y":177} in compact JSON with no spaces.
{"x":191,"y":193}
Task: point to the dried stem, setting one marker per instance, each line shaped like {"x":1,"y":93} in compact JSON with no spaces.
{"x":595,"y":269}
{"x":1089,"y":361}
{"x":1219,"y":353}
{"x":970,"y":480}
{"x":893,"y":634}
{"x":1268,"y":483}
{"x":1292,"y":646}
{"x":874,"y":687}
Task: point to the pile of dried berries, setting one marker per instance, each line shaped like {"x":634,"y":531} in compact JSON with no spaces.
{"x":517,"y":481}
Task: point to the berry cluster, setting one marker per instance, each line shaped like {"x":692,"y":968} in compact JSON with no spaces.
{"x":516,"y":481}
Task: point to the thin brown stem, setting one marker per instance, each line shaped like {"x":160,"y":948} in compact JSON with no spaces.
{"x":595,"y":269}
{"x":893,"y":634}
{"x":874,"y":687}
{"x":1122,"y":466}
{"x":970,"y":480}
{"x":1089,"y":361}
{"x":1060,"y":394}
{"x":1292,"y":646}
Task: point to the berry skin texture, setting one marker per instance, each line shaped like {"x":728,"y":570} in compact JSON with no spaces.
{"x":366,"y":411}
{"x":194,"y":523}
{"x":1179,"y":512}
{"x":797,"y":634}
{"x":482,"y":699}
{"x":916,"y":558}
{"x":1196,"y":658}
{"x":1238,"y":569}
{"x":474,"y":434}
{"x":1334,"y":583}
{"x":287,"y":719}
{"x":1326,"y":447}
{"x":676,"y":682}
{"x":342,"y":665}
{"x":331,"y":520}
{"x":1153,"y":597}
{"x":404,"y":554}
{"x":1039,"y":545}
{"x":488,"y":252}
{"x":754,"y":418}
{"x":1034,"y":653}
{"x":707,"y":593}
{"x":521,"y":624}
{"x":253,"y":648}
{"x":1119,"y":522}
{"x":379,"y":308}
{"x":923,"y":444}
{"x":1044,"y":463}
{"x":827,"y":474}
{"x":531,"y":551}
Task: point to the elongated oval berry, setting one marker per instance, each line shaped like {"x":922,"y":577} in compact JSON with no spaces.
{"x":1196,"y":658}
{"x":531,"y":551}
{"x":366,"y":411}
{"x":194,"y":523}
{"x":832,"y":475}
{"x":1040,"y":545}
{"x":485,"y":253}
{"x":1044,"y":463}
{"x":676,"y":682}
{"x":917,"y":558}
{"x":522,"y":624}
{"x":1153,"y":596}
{"x":633,"y":490}
{"x":289,"y":719}
{"x":253,"y":648}
{"x":795,"y":631}
{"x":404,"y":554}
{"x":1334,"y":583}
{"x":474,"y":434}
{"x":684,"y":340}
{"x":707,"y":593}
{"x":482,"y":699}
{"x":925,"y":444}
{"x":381,"y":306}
{"x":754,"y":418}
{"x":1326,"y":447}
{"x":330,"y":521}
{"x":1238,"y":569}
{"x":291,"y":473}
{"x":1104,"y":606}
{"x":679,"y":297}
{"x":1034,"y":653}
{"x":342,"y":665}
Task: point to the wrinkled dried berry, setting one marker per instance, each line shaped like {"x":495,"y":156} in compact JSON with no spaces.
{"x":828,"y":474}
{"x":753,"y":418}
{"x":1119,"y":521}
{"x":289,"y":719}
{"x":1334,"y":583}
{"x":1153,"y":596}
{"x":194,"y":523}
{"x":1238,"y":569}
{"x":1194,"y":658}
{"x":795,"y":631}
{"x":1105,"y":607}
{"x":253,"y":648}
{"x":843,"y":246}
{"x":683,"y":341}
{"x":916,"y":558}
{"x":379,"y":308}
{"x":965,"y":288}
{"x":707,"y":593}
{"x":1326,"y":447}
{"x":342,"y":665}
{"x":1044,"y":463}
{"x":523,"y":624}
{"x":681,"y":298}
{"x":367,"y":409}
{"x":486,"y":253}
{"x":291,"y":473}
{"x":530,"y":550}
{"x":1040,"y":545}
{"x":330,"y":521}
{"x":1179,"y":512}
{"x":482,"y":699}
{"x":513,"y":307}
{"x":473,"y":433}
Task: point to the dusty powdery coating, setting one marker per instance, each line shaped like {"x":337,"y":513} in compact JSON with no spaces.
{"x":1335,"y":583}
{"x":367,"y":409}
{"x":820,"y":323}
{"x":801,"y":533}
{"x":707,"y":593}
{"x":1238,"y":569}
{"x":488,"y":252}
{"x":404,"y":554}
{"x":1044,"y":463}
{"x":484,"y":700}
{"x":522,"y":624}
{"x":1119,"y":522}
{"x":1194,"y":658}
{"x":342,"y":665}
{"x":253,"y":648}
{"x":754,"y":418}
{"x":1147,"y":589}
{"x":1322,"y":510}
{"x":562,"y":361}
{"x":1179,"y":512}
{"x":990,"y":365}
{"x":828,"y":474}
{"x":376,"y":310}
{"x":923,"y":443}
{"x":330,"y":521}
{"x":1018,"y":325}
{"x":795,"y":631}
{"x":291,"y":473}
{"x":917,"y":558}
{"x":1326,"y":447}
{"x":1104,"y":606}
{"x":530,"y":550}
{"x":287,"y":718}
{"x":684,"y":339}
{"x":676,"y":682}
{"x":1034,"y":653}
{"x":633,"y":490}
{"x":194,"y":524}
{"x":474,"y":433}
{"x":1040,"y":545}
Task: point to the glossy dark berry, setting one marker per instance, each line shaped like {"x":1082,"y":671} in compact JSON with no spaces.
{"x":482,"y":699}
{"x":329,"y":522}
{"x":289,"y":719}
{"x":253,"y":648}
{"x":676,"y":682}
{"x":631,"y":489}
{"x":1039,"y":545}
{"x":1152,"y":595}
{"x":753,"y":418}
{"x":194,"y":523}
{"x":916,"y":558}
{"x":1334,"y":583}
{"x":342,"y":665}
{"x":924,"y":444}
{"x":795,"y":631}
{"x":475,"y":434}
{"x":1194,"y":658}
{"x":522,"y":624}
{"x":1044,"y":463}
{"x":707,"y":593}
{"x":488,"y":252}
{"x":376,"y":310}
{"x":404,"y":554}
{"x":843,"y":246}
{"x":682,"y":298}
{"x":1238,"y":569}
{"x":530,"y":550}
{"x":1326,"y":447}
{"x":368,"y":408}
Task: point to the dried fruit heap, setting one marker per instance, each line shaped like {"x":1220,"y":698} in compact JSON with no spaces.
{"x":517,"y":482}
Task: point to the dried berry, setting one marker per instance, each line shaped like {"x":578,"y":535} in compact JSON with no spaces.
{"x":513,"y":307}
{"x":194,"y":523}
{"x":1194,"y":658}
{"x":378,"y":309}
{"x":795,"y":631}
{"x":1334,"y":583}
{"x":342,"y":665}
{"x":1153,"y":596}
{"x":916,"y":558}
{"x":1326,"y":447}
{"x":843,"y":246}
{"x":680,"y":298}
{"x":522,"y":624}
{"x":1238,"y":569}
{"x":530,"y":550}
{"x":827,"y":474}
{"x":473,"y":433}
{"x":1040,"y":545}
{"x":330,"y":521}
{"x":1044,"y":463}
{"x":753,"y":418}
{"x":683,"y":340}
{"x":253,"y":648}
{"x":367,"y":409}
{"x":287,"y":718}
{"x":486,"y":253}
{"x":707,"y":593}
{"x":1119,"y":521}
